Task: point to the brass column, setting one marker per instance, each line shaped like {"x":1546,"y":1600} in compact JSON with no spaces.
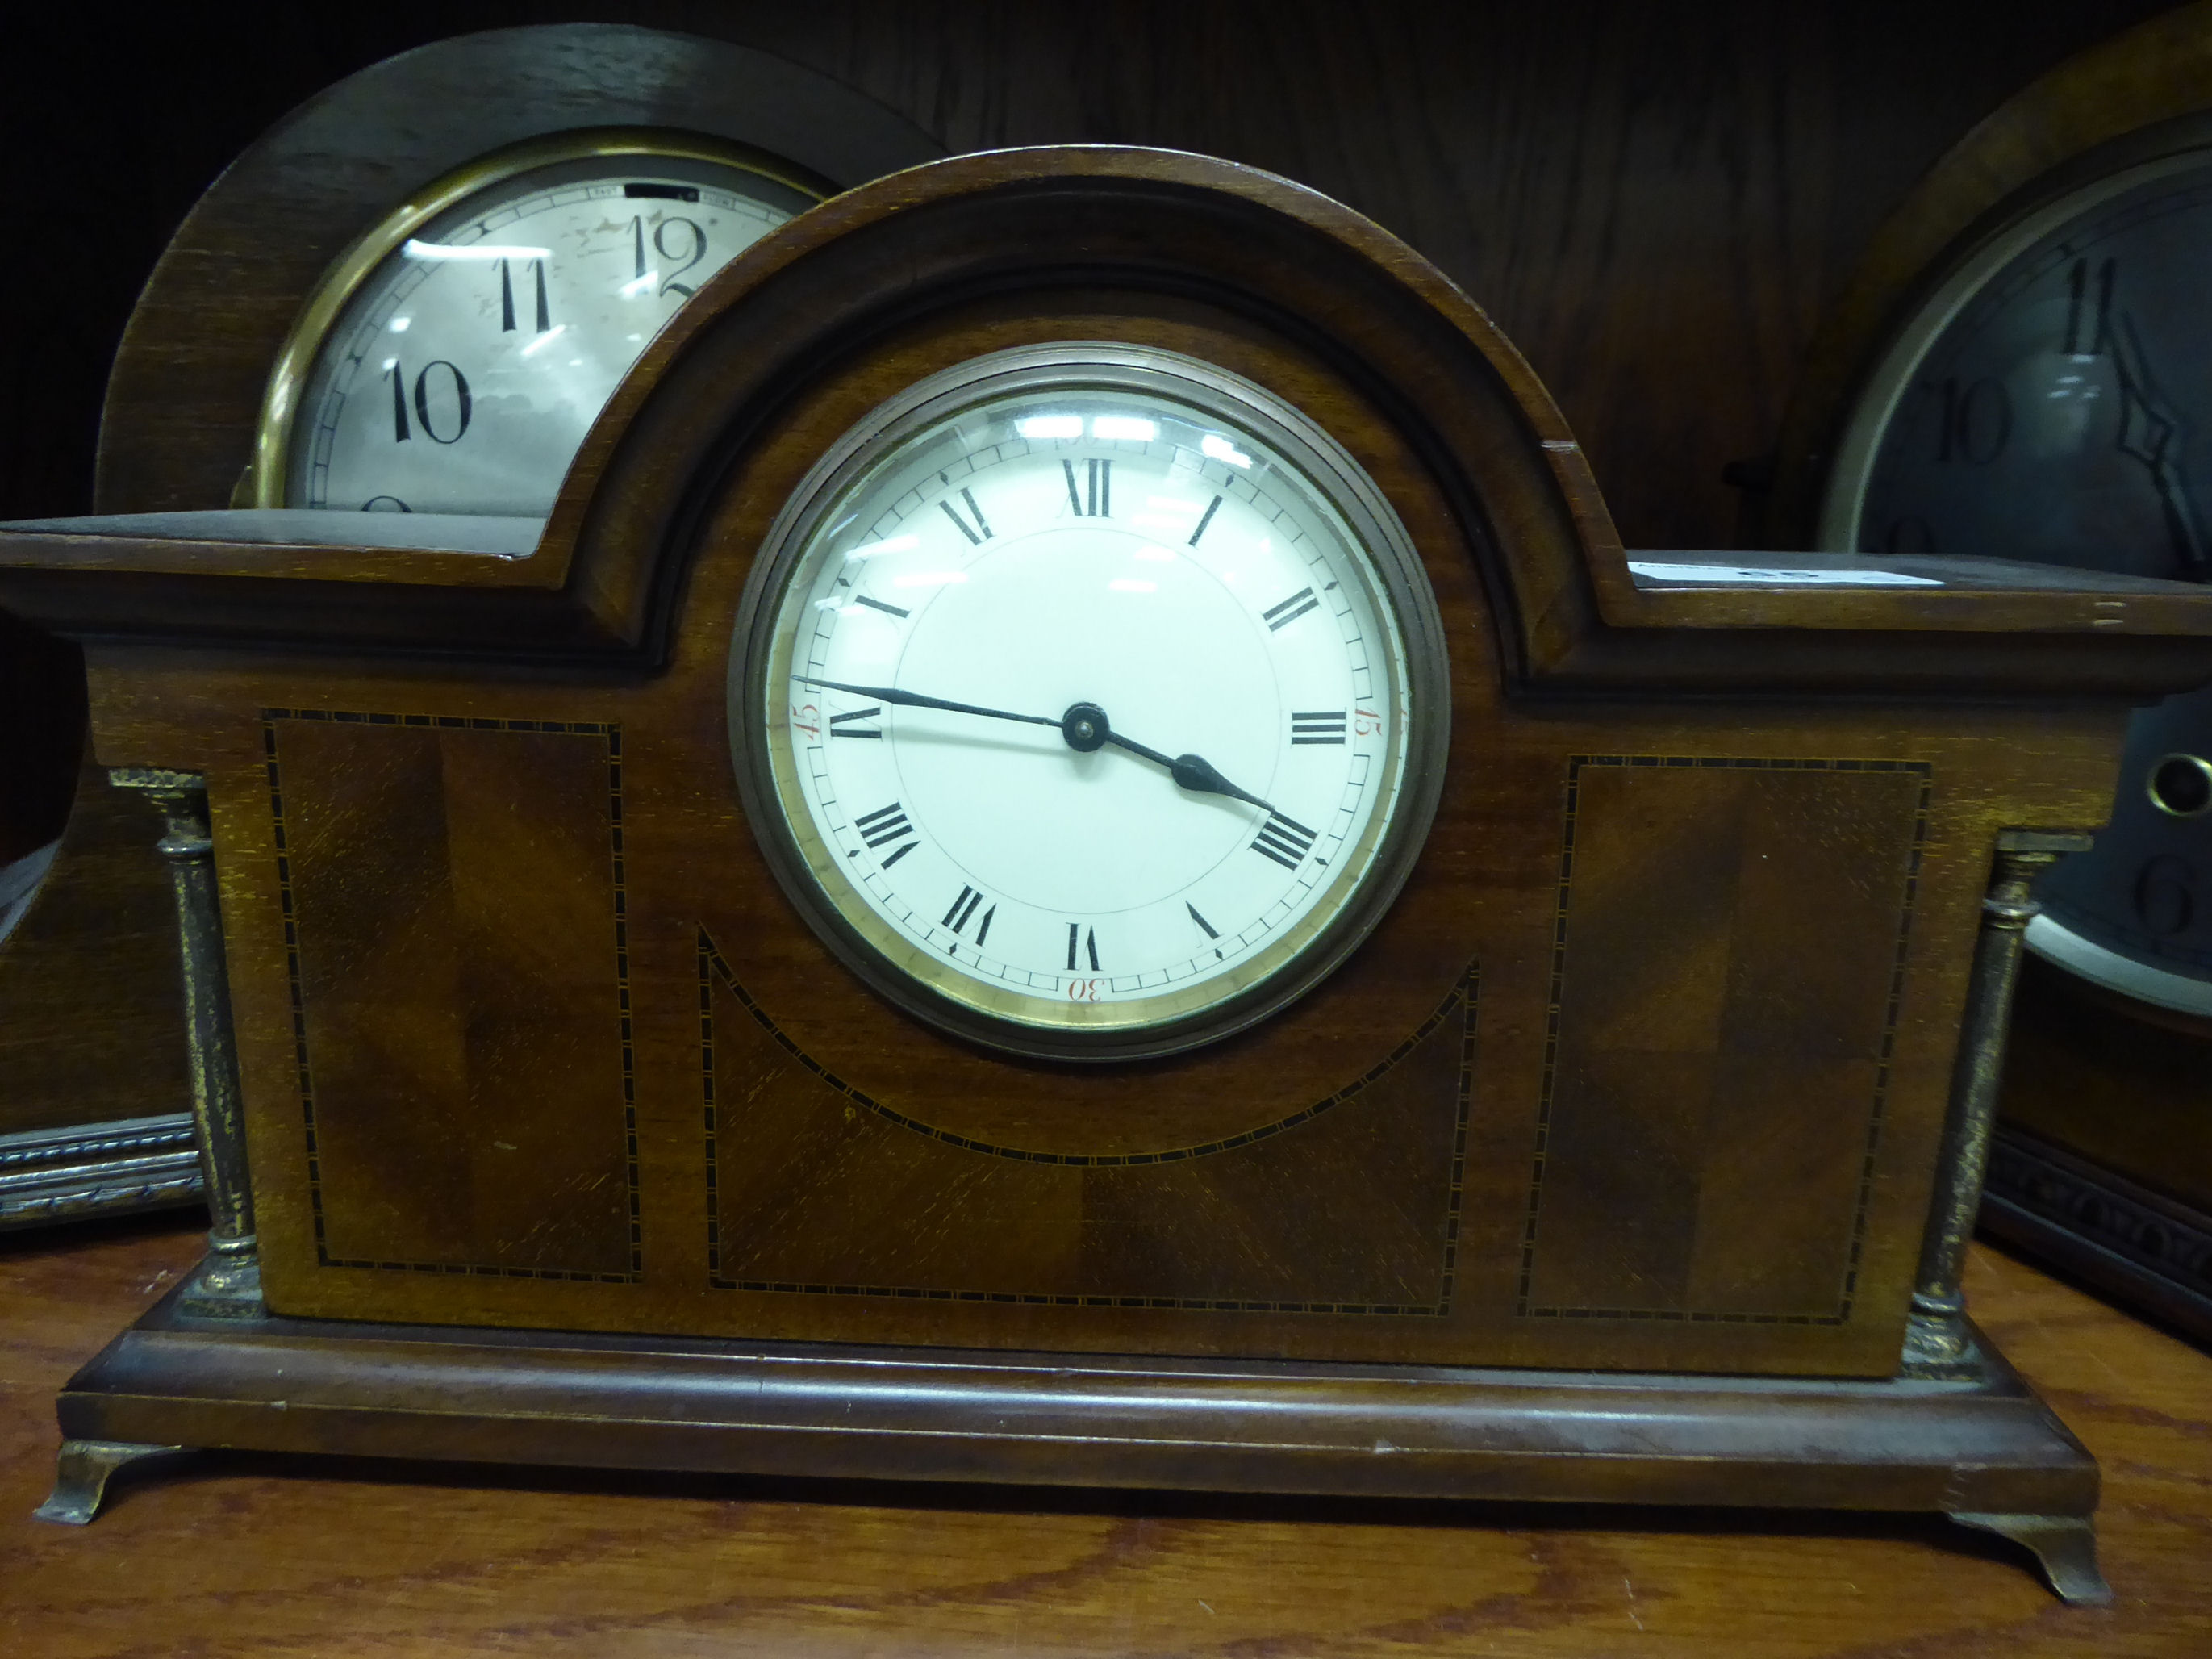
{"x":227,"y":1284}
{"x":1936,"y":1342}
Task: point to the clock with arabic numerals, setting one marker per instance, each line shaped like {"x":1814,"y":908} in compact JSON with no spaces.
{"x":451,"y":360}
{"x":1089,"y":699}
{"x":2043,"y":400}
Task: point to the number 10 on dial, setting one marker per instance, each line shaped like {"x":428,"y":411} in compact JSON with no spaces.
{"x":1088,"y":702}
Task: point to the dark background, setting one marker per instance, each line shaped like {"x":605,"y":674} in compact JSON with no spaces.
{"x":1656,"y":201}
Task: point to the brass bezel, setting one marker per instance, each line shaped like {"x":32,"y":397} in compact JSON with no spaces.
{"x":265,"y":480}
{"x":1312,"y":948}
{"x":2196,"y":763}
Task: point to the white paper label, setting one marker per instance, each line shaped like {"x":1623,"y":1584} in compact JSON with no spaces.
{"x":1775,"y":576}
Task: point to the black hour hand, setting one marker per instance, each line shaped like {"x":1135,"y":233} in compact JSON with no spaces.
{"x":1192,"y":772}
{"x":1196,"y":773}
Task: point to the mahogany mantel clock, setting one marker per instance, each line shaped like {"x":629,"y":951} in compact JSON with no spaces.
{"x":1076,"y":856}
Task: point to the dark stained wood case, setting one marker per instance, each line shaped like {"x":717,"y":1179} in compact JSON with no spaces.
{"x":1644,"y":1070}
{"x":91,"y":1022}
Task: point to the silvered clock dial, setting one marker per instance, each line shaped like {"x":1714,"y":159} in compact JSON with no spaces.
{"x":1089,"y":700}
{"x":454,"y":359}
{"x":2049,"y":399}
{"x":2047,"y":402}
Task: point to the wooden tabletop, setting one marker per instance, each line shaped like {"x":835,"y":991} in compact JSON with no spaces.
{"x":265,"y":1555}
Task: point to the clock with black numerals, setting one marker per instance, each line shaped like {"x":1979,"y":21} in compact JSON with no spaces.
{"x":2049,"y":398}
{"x":451,"y":361}
{"x":1090,"y":696}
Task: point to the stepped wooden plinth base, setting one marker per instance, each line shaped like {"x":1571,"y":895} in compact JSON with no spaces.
{"x":1985,"y":1451}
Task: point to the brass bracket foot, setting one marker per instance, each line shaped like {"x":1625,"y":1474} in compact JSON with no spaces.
{"x":226,"y":1284}
{"x":2065,"y":1546}
{"x":1937,"y":1344}
{"x":81,"y":1472}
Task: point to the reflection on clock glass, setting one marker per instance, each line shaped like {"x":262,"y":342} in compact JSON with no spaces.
{"x":463,"y":374}
{"x":2052,"y":401}
{"x":1086,"y":707}
{"x":2060,"y":409}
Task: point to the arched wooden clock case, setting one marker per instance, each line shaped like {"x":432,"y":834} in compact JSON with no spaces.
{"x":1610,"y":1164}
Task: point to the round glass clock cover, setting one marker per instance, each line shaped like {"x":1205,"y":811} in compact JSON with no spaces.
{"x":470,"y":350}
{"x":1089,"y":700}
{"x":2051,"y":401}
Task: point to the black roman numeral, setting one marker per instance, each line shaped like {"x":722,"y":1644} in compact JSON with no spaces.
{"x":981,"y":530}
{"x":890,"y":609}
{"x":885,"y":825}
{"x":1282,"y":616}
{"x":963,"y":909}
{"x":838,"y":729}
{"x":1087,"y":938}
{"x":1095,"y":499}
{"x":1283,"y":840}
{"x":1323,"y":726}
{"x":1205,"y":927}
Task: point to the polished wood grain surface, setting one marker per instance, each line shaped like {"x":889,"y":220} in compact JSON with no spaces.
{"x":265,"y":1555}
{"x":1110,"y":1203}
{"x":1657,"y":206}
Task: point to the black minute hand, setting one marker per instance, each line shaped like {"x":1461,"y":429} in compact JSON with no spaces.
{"x":916,"y":699}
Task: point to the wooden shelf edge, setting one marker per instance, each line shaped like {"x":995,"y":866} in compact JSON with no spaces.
{"x":504,"y":1396}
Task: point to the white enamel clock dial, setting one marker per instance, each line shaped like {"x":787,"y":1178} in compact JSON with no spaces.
{"x":1089,"y":699}
{"x":465,"y":365}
